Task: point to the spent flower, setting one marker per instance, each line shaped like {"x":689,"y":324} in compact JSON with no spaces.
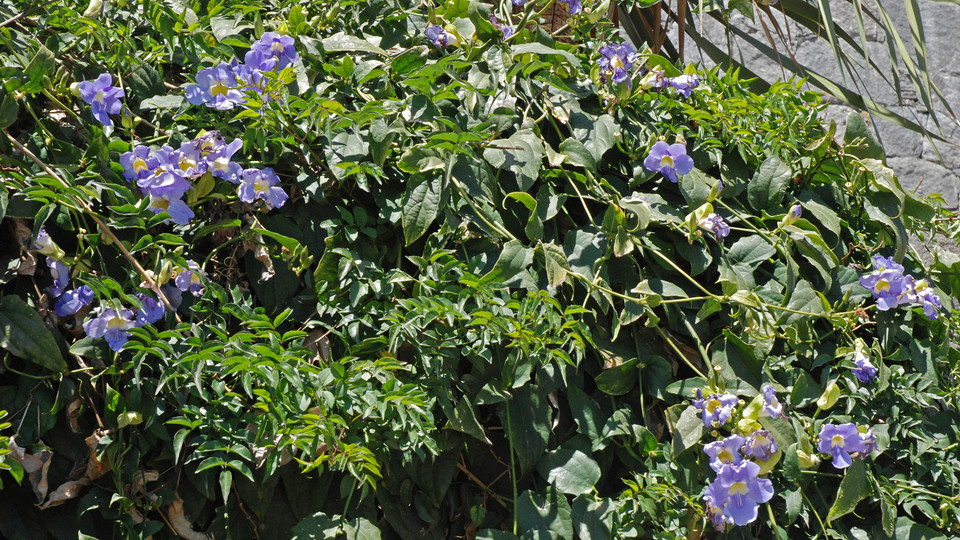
{"x":865,"y":371}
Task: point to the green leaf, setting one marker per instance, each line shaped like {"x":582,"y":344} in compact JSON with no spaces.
{"x":521,"y":154}
{"x":854,"y":487}
{"x":4,"y":201}
{"x":570,"y":468}
{"x":514,"y":259}
{"x":805,"y":303}
{"x":169,"y":102}
{"x":858,"y":132}
{"x":685,"y":425}
{"x":769,"y":184}
{"x":737,"y":361}
{"x":534,"y":226}
{"x":577,"y":154}
{"x":410,"y":60}
{"x":341,"y":42}
{"x":23,"y":333}
{"x":545,"y":513}
{"x":144,"y":82}
{"x":464,"y":420}
{"x":596,"y":134}
{"x":556,"y":263}
{"x":421,"y":205}
{"x":618,"y":380}
{"x":42,"y":64}
{"x":586,"y":413}
{"x":528,"y":425}
{"x":539,"y":49}
{"x":750,"y":250}
{"x":593,"y":520}
{"x":9,"y":108}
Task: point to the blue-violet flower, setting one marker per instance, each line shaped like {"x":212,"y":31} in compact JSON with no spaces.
{"x":111,"y":325}
{"x":73,"y":301}
{"x":103,"y":98}
{"x":840,"y":441}
{"x":669,"y":160}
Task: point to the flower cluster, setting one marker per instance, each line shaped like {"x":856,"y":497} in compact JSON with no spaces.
{"x":843,"y":440}
{"x":891,"y":288}
{"x":715,"y":409}
{"x":740,"y":459}
{"x":103,"y":97}
{"x":669,"y":160}
{"x":113,"y":325}
{"x":616,"y":61}
{"x":734,"y":495}
{"x":167,"y":174}
{"x":224,"y":86}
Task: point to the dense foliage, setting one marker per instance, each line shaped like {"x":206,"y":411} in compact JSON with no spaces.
{"x":431,"y":271}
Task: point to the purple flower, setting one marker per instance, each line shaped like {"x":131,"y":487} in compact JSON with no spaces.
{"x":111,"y":325}
{"x":171,"y":203}
{"x":616,"y":61}
{"x":189,"y":159}
{"x":216,"y":87}
{"x":772,"y":405}
{"x":886,"y":263}
{"x":840,"y":441}
{"x":137,"y":163}
{"x":869,"y":441}
{"x":73,"y":301}
{"x":669,"y":160}
{"x":173,"y":295}
{"x":189,"y":279}
{"x":760,"y":445}
{"x":716,"y":408}
{"x":724,"y":451}
{"x":887,"y":283}
{"x":575,"y":6}
{"x":683,"y":84}
{"x":151,"y":312}
{"x":716,"y":225}
{"x":219,"y":162}
{"x":167,"y":177}
{"x":919,"y":292}
{"x":519,"y":2}
{"x":103,"y":98}
{"x":61,"y":277}
{"x":865,"y":371}
{"x":262,"y":184}
{"x":737,"y":491}
{"x":507,"y":31}
{"x":437,"y":35}
{"x":274,"y":45}
{"x":714,"y":514}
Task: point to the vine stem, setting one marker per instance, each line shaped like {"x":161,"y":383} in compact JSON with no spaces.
{"x":513,"y":473}
{"x":151,"y":283}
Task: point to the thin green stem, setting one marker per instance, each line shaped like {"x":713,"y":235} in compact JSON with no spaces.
{"x":673,"y":265}
{"x":513,"y":473}
{"x":679,"y":354}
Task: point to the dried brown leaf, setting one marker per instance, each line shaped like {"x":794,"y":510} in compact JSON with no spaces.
{"x":181,"y":525}
{"x":35,"y":465}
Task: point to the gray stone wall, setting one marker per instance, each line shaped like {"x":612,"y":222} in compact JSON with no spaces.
{"x":929,"y":167}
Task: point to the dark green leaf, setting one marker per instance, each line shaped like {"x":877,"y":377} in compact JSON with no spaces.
{"x":23,"y":333}
{"x":768,"y":186}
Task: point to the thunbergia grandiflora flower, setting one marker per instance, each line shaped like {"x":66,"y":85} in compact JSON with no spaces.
{"x":840,"y":441}
{"x":891,"y":288}
{"x":715,"y":409}
{"x":111,"y":325}
{"x":616,"y":60}
{"x":437,"y":35}
{"x":715,"y":224}
{"x":738,"y":491}
{"x":669,"y":160}
{"x":103,"y":98}
{"x":223,"y":86}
